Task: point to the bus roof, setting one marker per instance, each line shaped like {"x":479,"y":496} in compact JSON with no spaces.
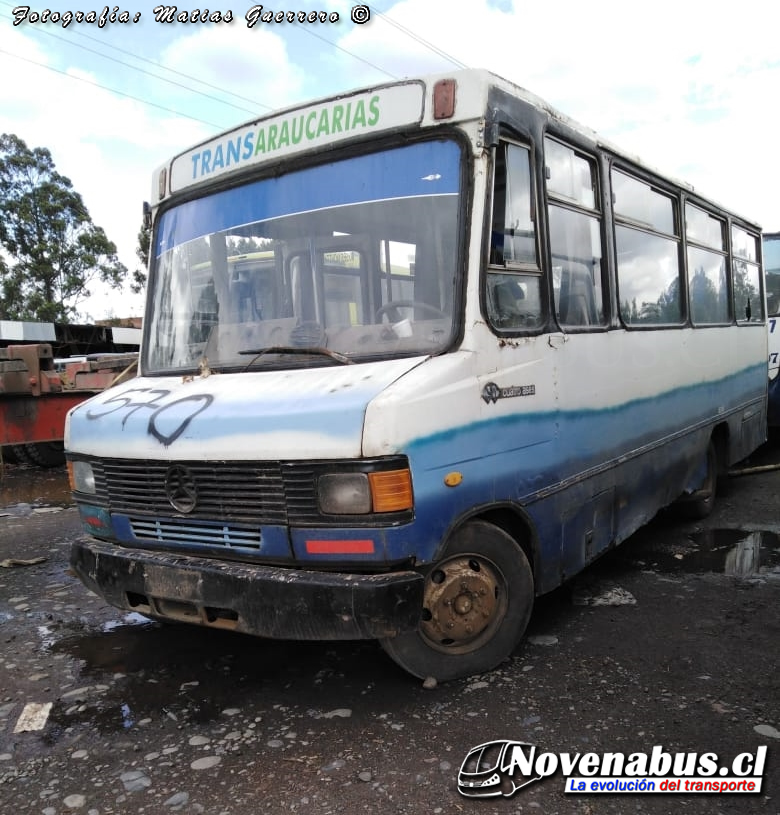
{"x":358,"y":113}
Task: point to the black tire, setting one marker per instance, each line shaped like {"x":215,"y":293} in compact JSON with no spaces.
{"x":477,"y":604}
{"x":9,"y":456}
{"x":46,"y":454}
{"x":20,"y":452}
{"x":700,"y":504}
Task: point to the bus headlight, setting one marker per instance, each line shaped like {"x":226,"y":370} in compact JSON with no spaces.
{"x":344,"y":494}
{"x":362,"y":493}
{"x":81,"y":477}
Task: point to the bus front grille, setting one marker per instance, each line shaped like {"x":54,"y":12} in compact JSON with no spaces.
{"x":175,"y":532}
{"x":233,"y":492}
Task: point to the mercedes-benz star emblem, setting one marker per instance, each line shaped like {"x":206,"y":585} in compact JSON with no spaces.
{"x":180,"y":488}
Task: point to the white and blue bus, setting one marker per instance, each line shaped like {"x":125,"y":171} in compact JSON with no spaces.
{"x":772,"y":270}
{"x":413,"y":356}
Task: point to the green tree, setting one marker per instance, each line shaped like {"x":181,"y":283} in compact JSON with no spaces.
{"x":669,"y":309}
{"x":138,"y":282}
{"x":707,"y":303}
{"x":246,"y":246}
{"x":53,"y":250}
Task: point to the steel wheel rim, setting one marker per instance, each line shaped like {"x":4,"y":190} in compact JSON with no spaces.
{"x":464,"y":603}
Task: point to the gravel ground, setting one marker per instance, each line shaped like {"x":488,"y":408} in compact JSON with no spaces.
{"x":652,"y":645}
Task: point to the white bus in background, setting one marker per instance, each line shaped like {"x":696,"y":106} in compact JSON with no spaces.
{"x":772,"y":269}
{"x":414,"y":355}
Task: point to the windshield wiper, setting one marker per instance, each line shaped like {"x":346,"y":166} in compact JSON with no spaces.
{"x":295,"y":349}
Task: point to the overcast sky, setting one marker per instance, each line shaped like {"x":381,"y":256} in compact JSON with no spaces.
{"x":686,"y":85}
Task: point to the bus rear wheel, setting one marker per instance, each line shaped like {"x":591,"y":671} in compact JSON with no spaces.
{"x":476,"y":606}
{"x":700,"y":504}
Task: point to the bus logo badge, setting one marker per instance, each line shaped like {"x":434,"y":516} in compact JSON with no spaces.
{"x":180,"y":488}
{"x":492,"y":392}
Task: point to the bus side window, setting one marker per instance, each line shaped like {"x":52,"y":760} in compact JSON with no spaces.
{"x":772,"y":294}
{"x":647,"y":242}
{"x":514,"y":231}
{"x":575,"y":226}
{"x":513,"y":294}
{"x":746,"y":272}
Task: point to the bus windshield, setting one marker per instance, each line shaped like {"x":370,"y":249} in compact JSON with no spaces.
{"x":356,"y":259}
{"x":772,"y":270}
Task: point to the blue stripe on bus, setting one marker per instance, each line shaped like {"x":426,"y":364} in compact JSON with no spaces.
{"x":426,"y":168}
{"x":525,"y":458}
{"x":589,"y":434}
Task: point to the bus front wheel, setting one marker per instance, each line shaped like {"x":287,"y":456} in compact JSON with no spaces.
{"x":476,"y":606}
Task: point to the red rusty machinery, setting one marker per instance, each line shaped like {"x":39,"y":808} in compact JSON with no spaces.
{"x":36,"y":394}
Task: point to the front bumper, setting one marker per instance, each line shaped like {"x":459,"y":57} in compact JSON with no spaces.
{"x":267,"y":601}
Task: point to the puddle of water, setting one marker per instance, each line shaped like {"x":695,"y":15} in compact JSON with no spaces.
{"x":131,"y":618}
{"x":22,"y":486}
{"x":124,"y":647}
{"x":733,"y":552}
{"x":51,"y":635}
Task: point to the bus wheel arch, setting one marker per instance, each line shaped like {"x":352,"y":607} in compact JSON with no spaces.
{"x":478,"y":599}
{"x":506,"y":516}
{"x":519,"y":527}
{"x":700,"y":504}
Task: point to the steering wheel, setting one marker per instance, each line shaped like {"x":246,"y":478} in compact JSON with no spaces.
{"x":396,"y":304}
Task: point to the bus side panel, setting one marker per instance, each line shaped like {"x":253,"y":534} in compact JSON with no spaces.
{"x":588,"y":438}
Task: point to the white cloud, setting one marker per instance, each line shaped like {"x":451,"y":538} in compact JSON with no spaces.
{"x":252,"y":64}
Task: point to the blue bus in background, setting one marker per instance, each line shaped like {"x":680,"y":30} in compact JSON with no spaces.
{"x":771,"y":242}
